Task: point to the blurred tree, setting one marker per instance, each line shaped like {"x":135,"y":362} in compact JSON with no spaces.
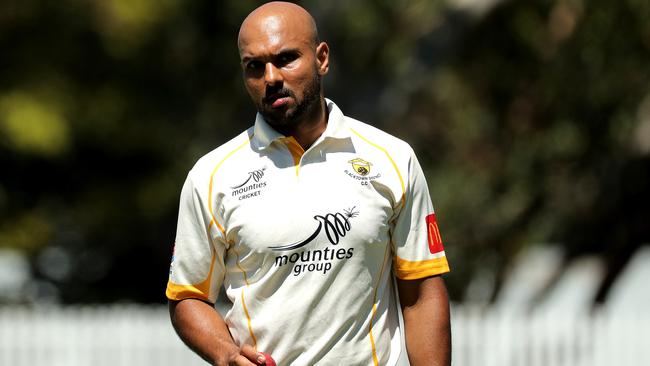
{"x":104,"y":106}
{"x":529,"y":127}
{"x":531,"y":119}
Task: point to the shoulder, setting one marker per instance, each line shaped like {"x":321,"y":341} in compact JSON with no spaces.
{"x":364,"y":133}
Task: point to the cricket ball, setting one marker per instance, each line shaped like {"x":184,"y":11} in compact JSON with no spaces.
{"x":269,"y":360}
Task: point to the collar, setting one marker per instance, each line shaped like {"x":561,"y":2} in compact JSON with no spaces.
{"x":337,"y":128}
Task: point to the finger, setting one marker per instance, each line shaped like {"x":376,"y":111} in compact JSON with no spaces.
{"x":241,"y":360}
{"x":251,"y":353}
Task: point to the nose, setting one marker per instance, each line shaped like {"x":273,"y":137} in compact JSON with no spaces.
{"x":272,"y":75}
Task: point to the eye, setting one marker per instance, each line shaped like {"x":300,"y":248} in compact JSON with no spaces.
{"x":286,"y":58}
{"x":254,"y":65}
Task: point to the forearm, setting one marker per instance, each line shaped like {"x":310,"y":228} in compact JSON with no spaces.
{"x":203,"y":329}
{"x":425,"y":306}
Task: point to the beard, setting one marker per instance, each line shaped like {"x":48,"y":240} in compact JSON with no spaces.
{"x":303,"y":108}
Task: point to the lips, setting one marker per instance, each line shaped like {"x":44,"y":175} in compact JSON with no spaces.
{"x":280,"y":102}
{"x":277,"y":100}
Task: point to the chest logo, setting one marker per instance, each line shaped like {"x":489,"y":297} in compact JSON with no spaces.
{"x":360,"y":166}
{"x":251,"y":186}
{"x":255,"y":175}
{"x":336,"y":226}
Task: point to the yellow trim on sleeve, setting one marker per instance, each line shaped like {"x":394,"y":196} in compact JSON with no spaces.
{"x":199,"y":290}
{"x":390,"y":158}
{"x":181,"y":292}
{"x":214,"y":219}
{"x":412,"y":270}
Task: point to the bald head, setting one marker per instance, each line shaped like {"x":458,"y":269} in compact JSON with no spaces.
{"x":283,"y":63}
{"x":273,"y":17}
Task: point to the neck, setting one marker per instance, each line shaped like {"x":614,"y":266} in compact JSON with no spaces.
{"x":307,"y":131}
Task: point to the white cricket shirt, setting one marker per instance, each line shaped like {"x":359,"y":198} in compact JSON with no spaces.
{"x":306,"y":242}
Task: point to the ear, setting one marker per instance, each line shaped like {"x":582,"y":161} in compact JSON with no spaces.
{"x":323,"y":58}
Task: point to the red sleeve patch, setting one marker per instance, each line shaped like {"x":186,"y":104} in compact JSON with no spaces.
{"x":433,"y":234}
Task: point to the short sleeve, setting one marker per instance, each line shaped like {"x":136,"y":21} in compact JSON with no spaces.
{"x":419,"y":251}
{"x":197,"y":266}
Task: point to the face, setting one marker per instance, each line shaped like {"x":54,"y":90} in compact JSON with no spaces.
{"x":282,"y":69}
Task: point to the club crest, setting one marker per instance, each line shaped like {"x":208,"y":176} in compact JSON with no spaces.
{"x":360,"y":166}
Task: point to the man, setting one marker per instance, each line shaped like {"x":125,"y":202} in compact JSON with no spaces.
{"x":306,"y":218}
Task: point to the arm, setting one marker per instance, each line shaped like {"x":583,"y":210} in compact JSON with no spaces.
{"x":203,"y":329}
{"x":427,"y":328}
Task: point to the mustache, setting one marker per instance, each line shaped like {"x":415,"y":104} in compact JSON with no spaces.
{"x":273,"y":94}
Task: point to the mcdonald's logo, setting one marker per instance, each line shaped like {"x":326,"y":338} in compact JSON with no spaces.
{"x":433,"y":233}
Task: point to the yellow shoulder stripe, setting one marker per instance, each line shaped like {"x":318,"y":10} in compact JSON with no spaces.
{"x":214,"y":219}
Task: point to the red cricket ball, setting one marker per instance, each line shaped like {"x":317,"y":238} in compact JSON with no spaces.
{"x":269,"y":360}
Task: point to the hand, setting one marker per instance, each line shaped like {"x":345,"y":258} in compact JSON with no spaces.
{"x":247,"y":356}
